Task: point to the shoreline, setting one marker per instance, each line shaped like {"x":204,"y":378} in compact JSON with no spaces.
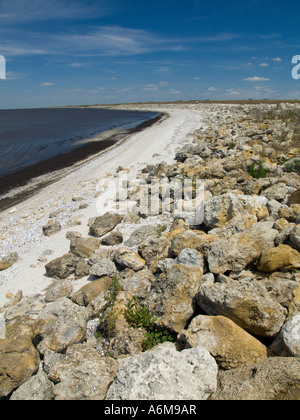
{"x":18,"y":186}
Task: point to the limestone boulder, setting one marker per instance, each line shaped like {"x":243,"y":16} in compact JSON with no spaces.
{"x":80,"y":374}
{"x":101,"y":266}
{"x":37,"y":388}
{"x":84,"y":247}
{"x":165,"y":374}
{"x":249,"y":305}
{"x":127,"y":258}
{"x":241,"y":249}
{"x":19,"y":359}
{"x":58,"y":289}
{"x":62,"y":267}
{"x":295,"y":237}
{"x":282,"y":257}
{"x":65,"y":325}
{"x":173,"y":296}
{"x":290,"y":334}
{"x":90,"y":291}
{"x":230,"y":345}
{"x":7,"y":261}
{"x":273,"y":379}
{"x":101,"y":225}
{"x":153,"y":250}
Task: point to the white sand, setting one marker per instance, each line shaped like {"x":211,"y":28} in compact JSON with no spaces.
{"x":21,"y":230}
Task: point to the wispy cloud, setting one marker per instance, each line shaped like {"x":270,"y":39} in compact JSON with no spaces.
{"x":256,"y":79}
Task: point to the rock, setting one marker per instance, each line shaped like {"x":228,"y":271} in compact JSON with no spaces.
{"x":230,"y":208}
{"x":241,"y":249}
{"x":139,"y":284}
{"x":290,"y":334}
{"x":62,"y":267}
{"x":8,"y":261}
{"x":141,"y":234}
{"x":80,"y":374}
{"x":247,"y":304}
{"x":165,"y":374}
{"x":154,"y":250}
{"x":295,"y":237}
{"x":128,"y":342}
{"x":190,"y":258}
{"x":173,"y":296}
{"x":101,"y":266}
{"x":274,"y":379}
{"x":281,"y":258}
{"x":37,"y":388}
{"x":277,"y":192}
{"x":294,"y":198}
{"x":127,"y":258}
{"x":230,"y":345}
{"x":101,"y":225}
{"x":114,"y":238}
{"x":294,"y":307}
{"x":90,"y":291}
{"x":191,"y":240}
{"x":291,"y":214}
{"x":58,"y":289}
{"x":14,"y":300}
{"x":65,"y":325}
{"x":84,"y":247}
{"x":19,"y":359}
{"x":29,"y":306}
{"x":51,"y":228}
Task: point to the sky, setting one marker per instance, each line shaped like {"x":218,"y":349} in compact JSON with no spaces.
{"x":84,"y":52}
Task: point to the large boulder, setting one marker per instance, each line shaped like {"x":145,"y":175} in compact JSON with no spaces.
{"x":7,"y":261}
{"x":90,"y":291}
{"x":19,"y":359}
{"x":37,"y":388}
{"x":101,"y":225}
{"x":84,"y":247}
{"x":65,"y":325}
{"x":63,"y":267}
{"x":80,"y":374}
{"x":249,"y":305}
{"x":165,"y":374}
{"x":241,"y":249}
{"x":173,"y":296}
{"x":274,"y":379}
{"x":230,"y":345}
{"x":126,"y":258}
{"x":281,"y":258}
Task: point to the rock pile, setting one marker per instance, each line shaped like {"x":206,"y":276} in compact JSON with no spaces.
{"x":226,"y":291}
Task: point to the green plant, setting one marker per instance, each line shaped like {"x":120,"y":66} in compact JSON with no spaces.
{"x":139,"y":316}
{"x":110,"y":315}
{"x":157,"y":336}
{"x":258,"y":171}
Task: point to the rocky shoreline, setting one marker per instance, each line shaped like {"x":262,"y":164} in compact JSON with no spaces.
{"x":170,"y":309}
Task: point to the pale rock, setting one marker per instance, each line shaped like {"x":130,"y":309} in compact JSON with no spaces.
{"x":101,"y":266}
{"x":249,"y":305}
{"x":8,"y":261}
{"x":277,"y":192}
{"x":241,"y":249}
{"x":165,"y":374}
{"x":29,"y":306}
{"x":230,"y":345}
{"x":291,"y":335}
{"x":80,"y":374}
{"x":58,"y":289}
{"x":65,"y":325}
{"x":51,"y":228}
{"x":153,"y":250}
{"x":37,"y":388}
{"x":127,"y":258}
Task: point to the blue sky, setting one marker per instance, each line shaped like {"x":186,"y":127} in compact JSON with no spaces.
{"x":61,"y":52}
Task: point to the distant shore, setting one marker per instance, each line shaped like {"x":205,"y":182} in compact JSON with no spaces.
{"x":48,"y":171}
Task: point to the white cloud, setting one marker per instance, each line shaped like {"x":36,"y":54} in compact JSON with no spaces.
{"x":277,"y":59}
{"x":256,"y":79}
{"x":212,"y":89}
{"x":264,"y":65}
{"x":48,"y":84}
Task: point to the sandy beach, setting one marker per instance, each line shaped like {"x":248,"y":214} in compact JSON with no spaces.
{"x":72,"y":200}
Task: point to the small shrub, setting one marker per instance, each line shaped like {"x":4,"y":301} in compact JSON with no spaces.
{"x":258,"y":171}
